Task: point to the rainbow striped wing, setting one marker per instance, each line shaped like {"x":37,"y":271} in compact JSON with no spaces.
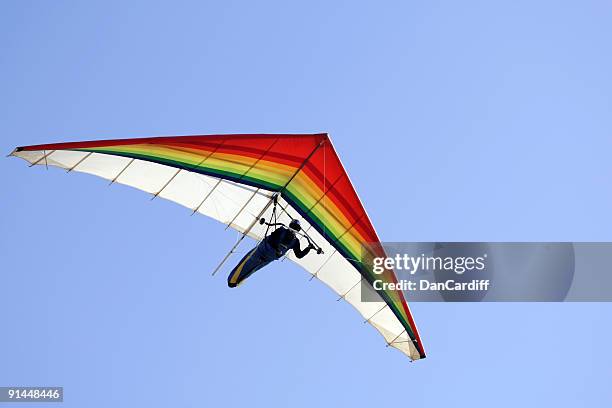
{"x":232,"y":179}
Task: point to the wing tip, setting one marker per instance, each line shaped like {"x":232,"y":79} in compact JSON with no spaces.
{"x":15,"y":150}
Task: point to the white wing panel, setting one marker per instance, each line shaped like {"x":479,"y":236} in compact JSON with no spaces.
{"x":32,"y":157}
{"x":366,"y":309}
{"x":188,"y":189}
{"x":65,"y":159}
{"x":386,"y":322}
{"x":103,"y":165}
{"x":250,"y":212}
{"x":146,"y":176}
{"x":225,"y":201}
{"x":339,"y":274}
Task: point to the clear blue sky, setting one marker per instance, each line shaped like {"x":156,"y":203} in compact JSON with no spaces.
{"x":467,"y":120}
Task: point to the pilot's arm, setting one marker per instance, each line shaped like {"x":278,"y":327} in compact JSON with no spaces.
{"x":299,"y":253}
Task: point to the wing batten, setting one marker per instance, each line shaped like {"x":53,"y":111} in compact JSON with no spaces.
{"x":79,"y":162}
{"x":129,"y":163}
{"x":206,"y":196}
{"x":176,"y":173}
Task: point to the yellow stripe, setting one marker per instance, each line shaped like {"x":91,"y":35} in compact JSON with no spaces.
{"x":235,"y":275}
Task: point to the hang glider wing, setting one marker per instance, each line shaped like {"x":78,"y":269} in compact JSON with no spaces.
{"x":232,"y":179}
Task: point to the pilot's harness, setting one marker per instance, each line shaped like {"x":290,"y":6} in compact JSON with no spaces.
{"x":274,"y":223}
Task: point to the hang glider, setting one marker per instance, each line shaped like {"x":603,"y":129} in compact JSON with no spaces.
{"x":235,"y":179}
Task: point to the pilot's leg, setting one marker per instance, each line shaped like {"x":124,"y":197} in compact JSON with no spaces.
{"x":254,"y":260}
